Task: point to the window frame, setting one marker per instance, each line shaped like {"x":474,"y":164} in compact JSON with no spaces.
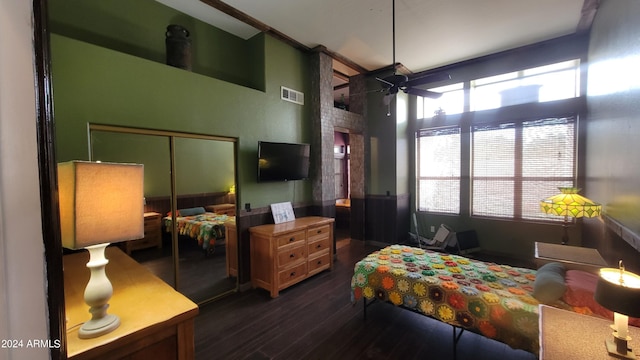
{"x":569,"y":107}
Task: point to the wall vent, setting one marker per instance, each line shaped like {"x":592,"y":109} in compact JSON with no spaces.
{"x":291,"y":95}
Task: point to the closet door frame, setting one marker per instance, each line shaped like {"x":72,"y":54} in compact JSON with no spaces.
{"x":171,"y":136}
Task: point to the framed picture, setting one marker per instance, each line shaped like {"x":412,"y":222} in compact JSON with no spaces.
{"x":282,"y":212}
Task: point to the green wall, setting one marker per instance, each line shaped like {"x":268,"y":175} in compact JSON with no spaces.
{"x":138,"y":28}
{"x":382,"y":133}
{"x":94,"y":84}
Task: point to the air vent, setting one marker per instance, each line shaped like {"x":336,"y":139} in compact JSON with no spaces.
{"x":291,"y":95}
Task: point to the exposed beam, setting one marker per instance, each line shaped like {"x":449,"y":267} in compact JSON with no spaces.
{"x":340,"y":87}
{"x":588,"y":13}
{"x":340,"y":75}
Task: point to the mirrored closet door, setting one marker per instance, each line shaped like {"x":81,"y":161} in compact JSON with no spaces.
{"x":194,"y":177}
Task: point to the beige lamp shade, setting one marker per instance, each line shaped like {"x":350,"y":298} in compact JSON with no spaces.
{"x":570,"y":203}
{"x":100,"y":203}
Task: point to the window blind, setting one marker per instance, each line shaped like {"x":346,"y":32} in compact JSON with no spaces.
{"x":438,"y":169}
{"x":515,"y":165}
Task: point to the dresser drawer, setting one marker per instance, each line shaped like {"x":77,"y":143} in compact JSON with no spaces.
{"x":319,"y":246}
{"x":290,"y":238}
{"x":317,"y":233}
{"x":319,"y":263}
{"x":291,"y":255}
{"x":292,"y":274}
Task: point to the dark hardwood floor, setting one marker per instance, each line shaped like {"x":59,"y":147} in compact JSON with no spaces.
{"x":316,"y":320}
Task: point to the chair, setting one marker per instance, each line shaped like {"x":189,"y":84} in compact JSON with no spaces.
{"x":440,"y":241}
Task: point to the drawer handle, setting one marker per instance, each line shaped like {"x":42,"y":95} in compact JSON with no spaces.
{"x":318,"y":232}
{"x":292,"y":256}
{"x":318,"y":246}
{"x":293,"y":274}
{"x":319,"y":262}
{"x":291,"y":239}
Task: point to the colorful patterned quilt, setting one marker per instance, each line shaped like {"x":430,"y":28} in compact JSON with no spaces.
{"x":205,"y":228}
{"x":485,"y":298}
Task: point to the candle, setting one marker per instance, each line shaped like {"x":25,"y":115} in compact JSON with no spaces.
{"x":621,"y":324}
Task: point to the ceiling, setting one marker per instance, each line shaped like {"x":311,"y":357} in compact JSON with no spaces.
{"x":429,"y":33}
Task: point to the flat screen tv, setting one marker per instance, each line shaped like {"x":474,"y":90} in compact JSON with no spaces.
{"x":282,"y":161}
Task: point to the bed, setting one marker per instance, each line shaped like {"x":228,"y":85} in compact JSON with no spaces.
{"x":499,"y":302}
{"x":206,"y":228}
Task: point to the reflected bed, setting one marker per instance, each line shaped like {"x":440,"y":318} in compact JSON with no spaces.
{"x":206,"y":228}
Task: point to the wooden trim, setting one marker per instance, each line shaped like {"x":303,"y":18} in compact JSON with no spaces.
{"x":168,"y":133}
{"x":341,"y":75}
{"x":48,"y":178}
{"x":588,"y":13}
{"x":341,"y":59}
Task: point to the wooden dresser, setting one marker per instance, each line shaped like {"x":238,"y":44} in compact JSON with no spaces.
{"x":287,"y":253}
{"x":152,"y":234}
{"x":156,"y":322}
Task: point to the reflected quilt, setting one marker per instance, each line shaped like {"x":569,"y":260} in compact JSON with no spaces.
{"x":486,"y":298}
{"x":205,"y":228}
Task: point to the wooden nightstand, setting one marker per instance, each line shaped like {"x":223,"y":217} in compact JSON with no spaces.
{"x":565,"y":335}
{"x":222,"y":209}
{"x":152,"y":234}
{"x":574,"y":257}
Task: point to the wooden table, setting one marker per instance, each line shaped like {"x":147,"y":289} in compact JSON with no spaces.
{"x":565,"y":335}
{"x":156,"y":321}
{"x":575,"y":257}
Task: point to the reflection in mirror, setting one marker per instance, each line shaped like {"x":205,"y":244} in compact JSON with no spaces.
{"x":198,"y":260}
{"x":204,"y":176}
{"x":153,"y":251}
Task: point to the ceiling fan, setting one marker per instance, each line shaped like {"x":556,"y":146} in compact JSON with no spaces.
{"x":396,"y":82}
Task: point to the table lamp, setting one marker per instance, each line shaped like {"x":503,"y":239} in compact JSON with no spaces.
{"x":569,"y":204}
{"x":619,"y":291}
{"x":100,"y":203}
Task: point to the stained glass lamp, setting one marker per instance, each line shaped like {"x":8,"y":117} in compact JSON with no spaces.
{"x":569,"y":204}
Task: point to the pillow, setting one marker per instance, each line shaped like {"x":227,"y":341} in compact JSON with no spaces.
{"x":549,"y":284}
{"x":581,"y":286}
{"x":191,"y":211}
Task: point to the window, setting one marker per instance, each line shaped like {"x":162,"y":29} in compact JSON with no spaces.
{"x":438,"y":168}
{"x":451,"y":101}
{"x":545,"y":83}
{"x":515,"y":165}
{"x":511,"y":163}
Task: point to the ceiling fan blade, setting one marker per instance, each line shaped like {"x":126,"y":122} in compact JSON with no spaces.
{"x":423,"y":93}
{"x":384,"y":81}
{"x":427,"y":79}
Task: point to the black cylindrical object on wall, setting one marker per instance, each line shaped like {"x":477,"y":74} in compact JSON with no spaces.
{"x":178,"y":46}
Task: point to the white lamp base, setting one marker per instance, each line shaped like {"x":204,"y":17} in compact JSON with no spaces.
{"x":97,"y":295}
{"x":98,"y":327}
